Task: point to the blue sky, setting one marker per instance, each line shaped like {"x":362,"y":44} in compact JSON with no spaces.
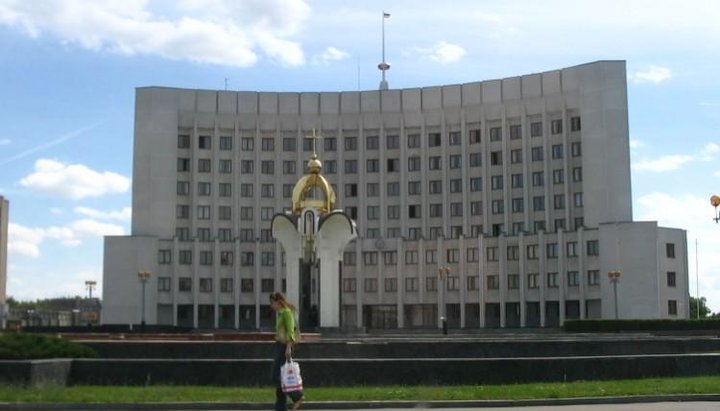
{"x":69,"y":69}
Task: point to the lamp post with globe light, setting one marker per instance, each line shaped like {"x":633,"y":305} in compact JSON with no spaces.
{"x":614,"y":279}
{"x":443,"y":273}
{"x":143,"y":276}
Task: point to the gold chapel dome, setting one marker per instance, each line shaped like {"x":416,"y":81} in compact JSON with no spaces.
{"x":313,"y":190}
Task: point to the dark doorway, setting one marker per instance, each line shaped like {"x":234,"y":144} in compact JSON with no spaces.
{"x":309,"y":295}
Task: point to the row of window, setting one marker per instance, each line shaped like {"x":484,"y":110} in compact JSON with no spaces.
{"x":434,"y":139}
{"x":455,"y":161}
{"x":205,"y":285}
{"x":452,"y":283}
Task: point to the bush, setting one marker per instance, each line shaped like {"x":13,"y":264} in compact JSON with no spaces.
{"x":21,"y":346}
{"x":640,"y":325}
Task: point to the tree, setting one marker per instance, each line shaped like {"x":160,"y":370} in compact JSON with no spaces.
{"x":704,"y":310}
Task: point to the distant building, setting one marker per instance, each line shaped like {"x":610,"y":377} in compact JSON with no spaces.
{"x":4,"y":210}
{"x":502,"y":203}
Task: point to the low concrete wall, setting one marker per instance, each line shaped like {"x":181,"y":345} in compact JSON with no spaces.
{"x":440,"y":348}
{"x":36,"y":372}
{"x":338,"y":372}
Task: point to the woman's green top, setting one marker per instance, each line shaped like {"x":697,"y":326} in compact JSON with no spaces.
{"x":285,"y":330}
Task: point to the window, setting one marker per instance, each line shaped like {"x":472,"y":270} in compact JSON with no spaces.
{"x":411,"y":257}
{"x":204,"y":234}
{"x":224,"y":189}
{"x":349,"y":258}
{"x":671,"y":279}
{"x":350,"y":143}
{"x":204,"y":165}
{"x":372,"y":143}
{"x":515,"y":132}
{"x":206,"y":285}
{"x":474,"y":136}
{"x":204,"y":143}
{"x":289,"y":167}
{"x":593,"y":247}
{"x":578,"y":202}
{"x":452,"y":255}
{"x":182,"y":212}
{"x":536,"y":129}
{"x":164,"y":256}
{"x":182,"y":233}
{"x":434,"y":140}
{"x":517,"y":228}
{"x":247,"y":166}
{"x":552,"y":280}
{"x":495,"y":133}
{"x":513,"y":253}
{"x":435,"y":232}
{"x":414,"y":163}
{"x":393,"y":189}
{"x":455,"y":161}
{"x":268,"y":144}
{"x":516,"y":156}
{"x":435,"y":163}
{"x":373,"y":212}
{"x":559,"y":201}
{"x":454,"y":138}
{"x":476,"y":184}
{"x":267,"y":167}
{"x":576,"y":149}
{"x":532,"y":252}
{"x":414,"y":233}
{"x":330,"y":167}
{"x":226,"y":285}
{"x":247,"y":285}
{"x":498,"y":229}
{"x":533,"y":280}
{"x":246,"y":190}
{"x":492,"y":282}
{"x":247,"y":235}
{"x":573,"y":279}
{"x":518,"y":205}
{"x":414,"y":211}
{"x":574,"y":123}
{"x":349,"y":285}
{"x":492,"y":253}
{"x":496,"y":182}
{"x":204,"y":189}
{"x":308,"y":144}
{"x":330,"y":144}
{"x":267,"y":259}
{"x":225,"y":143}
{"x":577,"y":174}
{"x":289,"y":144}
{"x":513,"y":281}
{"x":411,"y":284}
{"x":370,"y":258}
{"x":498,"y":206}
{"x":672,"y":307}
{"x":247,"y":144}
{"x":670,"y":250}
{"x":430,"y":256}
{"x":183,"y":141}
{"x":516,"y":180}
{"x":392,"y":142}
{"x":557,"y":151}
{"x":164,"y":283}
{"x":373,"y":166}
{"x":551,"y":250}
{"x":536,"y":154}
{"x":414,"y":187}
{"x":413,"y":140}
{"x":430,"y":283}
{"x":371,"y":285}
{"x":593,"y":277}
{"x":476,"y":230}
{"x":571,"y":248}
{"x":203,"y":212}
{"x":224,"y":212}
{"x":456,"y":185}
{"x":226,"y":258}
{"x":351,"y":166}
{"x":435,"y":186}
{"x":391,"y":285}
{"x":393,"y":165}
{"x":436,"y":210}
{"x":496,"y":158}
{"x":225,"y":166}
{"x":183,"y":164}
{"x":267,"y":191}
{"x":539,"y":203}
{"x":456,"y":209}
{"x":184,"y":284}
{"x":556,"y":126}
{"x":475,"y":159}
{"x":352,"y":212}
{"x":393,"y":212}
{"x":247,"y":259}
{"x":558,"y":176}
{"x":372,"y":189}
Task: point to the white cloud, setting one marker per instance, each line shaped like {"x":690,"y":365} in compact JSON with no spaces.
{"x":73,"y":181}
{"x":654,"y":74}
{"x":441,"y":52}
{"x":225,"y":32}
{"x":26,"y":241}
{"x":4,"y":141}
{"x":123,"y":215}
{"x":665,"y":163}
{"x":635,"y":144}
{"x":709,"y":151}
{"x":330,"y":54}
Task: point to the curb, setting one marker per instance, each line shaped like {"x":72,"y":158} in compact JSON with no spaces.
{"x":352,"y":405}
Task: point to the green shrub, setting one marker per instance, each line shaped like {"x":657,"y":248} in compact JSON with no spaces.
{"x":640,"y":325}
{"x":22,"y":346}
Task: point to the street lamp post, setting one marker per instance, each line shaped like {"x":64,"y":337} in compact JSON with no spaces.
{"x":143,"y":276}
{"x":90,"y":285}
{"x":443,"y":272}
{"x":614,"y":278}
{"x":715,"y":202}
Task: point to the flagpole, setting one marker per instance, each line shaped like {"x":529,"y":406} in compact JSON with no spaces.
{"x":384,"y":66}
{"x":697,"y":279}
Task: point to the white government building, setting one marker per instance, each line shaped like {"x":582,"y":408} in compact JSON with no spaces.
{"x":501,"y":203}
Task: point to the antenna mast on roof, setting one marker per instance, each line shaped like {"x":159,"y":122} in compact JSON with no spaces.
{"x":384,"y":66}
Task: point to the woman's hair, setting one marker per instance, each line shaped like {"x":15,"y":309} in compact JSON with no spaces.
{"x":279,"y":298}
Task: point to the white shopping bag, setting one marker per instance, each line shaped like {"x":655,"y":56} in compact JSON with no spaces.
{"x":290,"y":379}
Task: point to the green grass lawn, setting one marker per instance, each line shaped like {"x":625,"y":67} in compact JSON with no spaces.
{"x":103,"y":394}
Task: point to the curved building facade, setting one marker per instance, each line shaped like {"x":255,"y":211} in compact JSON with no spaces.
{"x":501,"y":203}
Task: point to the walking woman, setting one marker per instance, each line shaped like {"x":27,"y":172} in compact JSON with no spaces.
{"x":286,"y":336}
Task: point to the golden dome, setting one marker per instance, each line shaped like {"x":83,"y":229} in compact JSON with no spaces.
{"x":313,"y":190}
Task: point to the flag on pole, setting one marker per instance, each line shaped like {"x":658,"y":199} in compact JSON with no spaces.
{"x":386,"y":15}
